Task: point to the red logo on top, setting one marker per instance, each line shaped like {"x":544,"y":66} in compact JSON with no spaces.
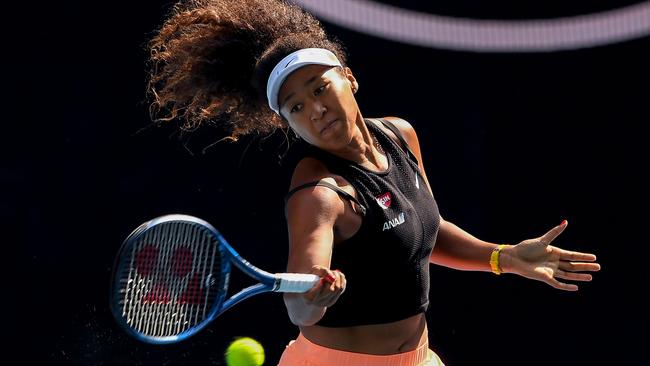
{"x":384,"y":200}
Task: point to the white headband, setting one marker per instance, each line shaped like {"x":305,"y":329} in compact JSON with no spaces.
{"x":295,"y":60}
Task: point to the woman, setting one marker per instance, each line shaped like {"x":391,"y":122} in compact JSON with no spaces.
{"x":359,"y":201}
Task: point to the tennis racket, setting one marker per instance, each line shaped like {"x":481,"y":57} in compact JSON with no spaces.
{"x":170,"y":279}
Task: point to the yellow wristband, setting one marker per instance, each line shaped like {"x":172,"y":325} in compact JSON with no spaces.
{"x":494,"y":259}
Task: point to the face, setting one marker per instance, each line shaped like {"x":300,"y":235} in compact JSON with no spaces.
{"x":318,"y":103}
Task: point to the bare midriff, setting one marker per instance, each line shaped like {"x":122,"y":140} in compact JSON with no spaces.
{"x":378,"y":339}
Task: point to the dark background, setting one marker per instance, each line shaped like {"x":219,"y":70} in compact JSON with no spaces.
{"x":513,"y":144}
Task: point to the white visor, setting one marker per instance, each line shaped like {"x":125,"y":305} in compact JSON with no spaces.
{"x":295,"y":60}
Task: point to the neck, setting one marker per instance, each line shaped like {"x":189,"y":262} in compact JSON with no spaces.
{"x":362,"y":148}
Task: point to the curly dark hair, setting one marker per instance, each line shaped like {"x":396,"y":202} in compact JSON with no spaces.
{"x":210,"y":60}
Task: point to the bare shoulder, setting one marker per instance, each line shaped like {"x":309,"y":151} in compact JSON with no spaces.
{"x":312,"y":170}
{"x":317,"y":199}
{"x":405,"y":128}
{"x":308,"y":170}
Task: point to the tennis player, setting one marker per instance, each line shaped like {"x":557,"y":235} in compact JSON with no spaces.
{"x":360,"y":210}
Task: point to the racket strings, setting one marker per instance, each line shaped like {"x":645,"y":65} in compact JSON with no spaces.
{"x":172,"y":273}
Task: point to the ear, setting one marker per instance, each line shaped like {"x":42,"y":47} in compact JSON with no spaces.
{"x":354,"y":84}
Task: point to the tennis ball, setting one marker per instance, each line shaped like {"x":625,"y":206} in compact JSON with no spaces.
{"x":245,"y":351}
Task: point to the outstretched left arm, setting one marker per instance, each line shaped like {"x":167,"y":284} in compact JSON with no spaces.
{"x":533,"y":258}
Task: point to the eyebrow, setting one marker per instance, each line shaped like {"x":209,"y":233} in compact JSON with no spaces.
{"x":311,"y":79}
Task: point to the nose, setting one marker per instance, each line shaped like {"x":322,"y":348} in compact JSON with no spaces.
{"x":318,"y":110}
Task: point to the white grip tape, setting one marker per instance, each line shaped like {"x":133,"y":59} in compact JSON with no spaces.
{"x":296,"y":282}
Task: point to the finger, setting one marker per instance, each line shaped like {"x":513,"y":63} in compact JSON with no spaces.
{"x":553,"y":233}
{"x":315,"y":292}
{"x":323,"y":272}
{"x":561,"y":285}
{"x":337,"y":278}
{"x":331,"y":295}
{"x":335,"y":289}
{"x":572,"y":276}
{"x":327,"y":296}
{"x":318,"y":270}
{"x":337,"y":284}
{"x":568,"y":255}
{"x":325,"y":299}
{"x":579,"y":266}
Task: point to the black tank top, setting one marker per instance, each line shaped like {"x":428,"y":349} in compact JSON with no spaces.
{"x":386,"y":262}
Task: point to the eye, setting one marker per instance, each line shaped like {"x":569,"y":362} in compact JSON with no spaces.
{"x":296,"y":108}
{"x":319,"y":90}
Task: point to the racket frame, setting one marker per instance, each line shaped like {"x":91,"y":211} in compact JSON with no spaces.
{"x":267,"y":282}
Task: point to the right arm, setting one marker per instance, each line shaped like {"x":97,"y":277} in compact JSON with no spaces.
{"x":311,"y":215}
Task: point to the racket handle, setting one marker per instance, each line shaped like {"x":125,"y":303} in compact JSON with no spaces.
{"x":295,"y":282}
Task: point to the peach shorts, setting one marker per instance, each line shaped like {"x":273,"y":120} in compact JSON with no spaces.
{"x":302,"y":352}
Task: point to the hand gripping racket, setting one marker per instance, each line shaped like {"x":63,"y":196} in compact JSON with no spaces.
{"x":170,"y":279}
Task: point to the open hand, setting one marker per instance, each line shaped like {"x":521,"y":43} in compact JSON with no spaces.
{"x":538,"y":260}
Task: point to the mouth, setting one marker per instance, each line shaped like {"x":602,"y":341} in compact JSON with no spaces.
{"x":328,"y":126}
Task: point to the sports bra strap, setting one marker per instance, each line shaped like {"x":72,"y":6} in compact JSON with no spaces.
{"x":338,"y":190}
{"x":405,"y":145}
